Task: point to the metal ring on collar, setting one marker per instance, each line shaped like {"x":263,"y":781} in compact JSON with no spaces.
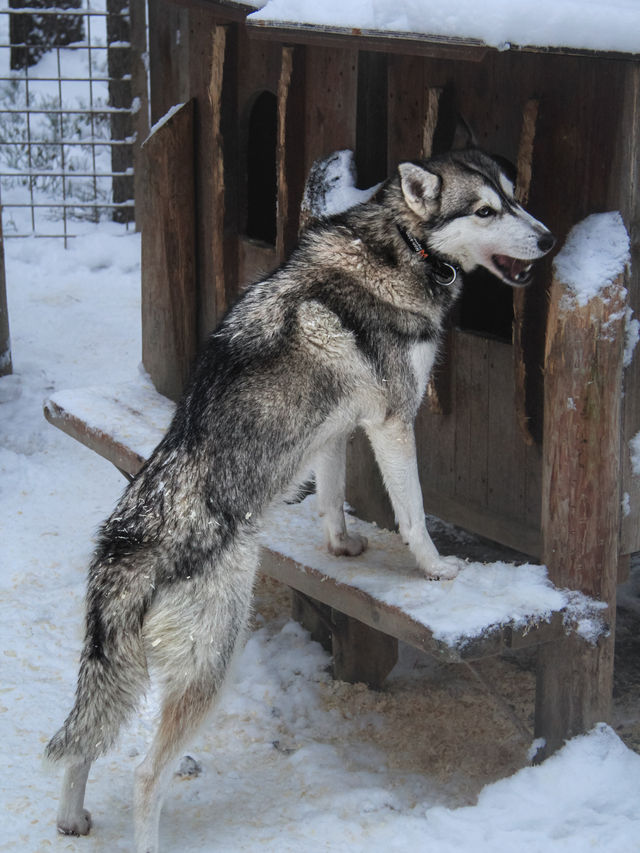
{"x":447,"y":282}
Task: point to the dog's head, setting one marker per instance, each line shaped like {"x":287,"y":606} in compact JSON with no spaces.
{"x":462,"y":205}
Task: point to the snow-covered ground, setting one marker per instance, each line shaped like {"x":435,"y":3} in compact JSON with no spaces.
{"x":292,"y":761}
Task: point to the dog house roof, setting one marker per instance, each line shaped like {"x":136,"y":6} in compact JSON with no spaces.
{"x":600,"y":26}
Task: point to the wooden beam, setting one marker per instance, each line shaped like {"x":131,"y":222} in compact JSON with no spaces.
{"x":625,"y":197}
{"x":140,"y":93}
{"x":169,"y":332}
{"x":523,"y":185}
{"x":360,"y":653}
{"x":5,"y":338}
{"x":456,"y":48}
{"x":168,"y":56}
{"x":408,"y":44}
{"x":290,"y":154}
{"x":213,"y":69}
{"x":331,"y":84}
{"x":581,"y":499}
{"x":314,"y":616}
{"x":217,"y":154}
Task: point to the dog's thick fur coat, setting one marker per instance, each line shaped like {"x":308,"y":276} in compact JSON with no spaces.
{"x":343,"y":335}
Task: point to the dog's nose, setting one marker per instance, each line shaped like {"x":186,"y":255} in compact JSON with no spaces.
{"x":546,"y":242}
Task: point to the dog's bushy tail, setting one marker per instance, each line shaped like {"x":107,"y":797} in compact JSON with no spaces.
{"x":113,"y":667}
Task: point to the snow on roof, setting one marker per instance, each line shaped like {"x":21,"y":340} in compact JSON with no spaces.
{"x":604,"y":25}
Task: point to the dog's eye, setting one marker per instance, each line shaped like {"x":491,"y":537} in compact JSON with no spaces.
{"x":485,"y":211}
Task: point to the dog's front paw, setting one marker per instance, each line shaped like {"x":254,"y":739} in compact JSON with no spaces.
{"x":443,"y":568}
{"x":346,"y":544}
{"x":78,"y":825}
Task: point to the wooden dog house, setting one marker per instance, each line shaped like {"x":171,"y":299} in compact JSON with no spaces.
{"x":246,"y":110}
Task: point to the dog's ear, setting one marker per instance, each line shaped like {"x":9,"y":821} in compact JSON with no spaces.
{"x":420,"y":187}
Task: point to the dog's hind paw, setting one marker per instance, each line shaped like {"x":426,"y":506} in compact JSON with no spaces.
{"x":347,"y":545}
{"x":79,"y":825}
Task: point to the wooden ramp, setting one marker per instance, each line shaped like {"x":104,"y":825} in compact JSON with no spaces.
{"x":366,"y":603}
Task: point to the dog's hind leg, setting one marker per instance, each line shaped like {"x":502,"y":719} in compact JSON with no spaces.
{"x":180,"y":718}
{"x":330,"y":474}
{"x":192,"y":634}
{"x":73,"y":818}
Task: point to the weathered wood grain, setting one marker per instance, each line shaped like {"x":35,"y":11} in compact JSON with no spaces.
{"x":471,"y":407}
{"x":581,"y":498}
{"x":169,"y":330}
{"x":5,"y":337}
{"x":361,"y":654}
{"x":331,"y":86}
{"x":140,"y":91}
{"x":290,"y":148}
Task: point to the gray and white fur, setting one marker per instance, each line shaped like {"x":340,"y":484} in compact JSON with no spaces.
{"x":343,"y":335}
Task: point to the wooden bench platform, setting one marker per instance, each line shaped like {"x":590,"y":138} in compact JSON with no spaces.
{"x":364,"y":605}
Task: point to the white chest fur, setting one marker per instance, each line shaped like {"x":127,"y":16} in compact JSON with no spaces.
{"x":422,"y":358}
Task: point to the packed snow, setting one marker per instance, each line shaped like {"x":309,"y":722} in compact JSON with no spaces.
{"x":610,"y":25}
{"x":595,"y":253}
{"x":483,"y":596}
{"x":331,"y":186}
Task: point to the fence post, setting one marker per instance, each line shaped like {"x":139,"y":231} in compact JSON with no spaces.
{"x":5,"y":340}
{"x":140,"y":102}
{"x":169,"y":326}
{"x":119,"y":64}
{"x":581,"y":499}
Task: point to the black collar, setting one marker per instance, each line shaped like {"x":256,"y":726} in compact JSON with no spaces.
{"x":443,"y":272}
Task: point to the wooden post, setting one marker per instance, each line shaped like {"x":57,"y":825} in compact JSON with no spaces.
{"x":5,"y":339}
{"x":169,"y":331}
{"x":119,"y":59}
{"x":520,"y":357}
{"x":290,"y":148}
{"x":581,"y":499}
{"x":215,"y":296}
{"x":140,"y":93}
{"x":360,"y":653}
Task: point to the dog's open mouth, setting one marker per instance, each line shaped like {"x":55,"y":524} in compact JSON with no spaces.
{"x":513,"y":270}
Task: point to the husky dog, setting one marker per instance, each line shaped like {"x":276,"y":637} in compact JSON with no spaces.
{"x":344,"y":334}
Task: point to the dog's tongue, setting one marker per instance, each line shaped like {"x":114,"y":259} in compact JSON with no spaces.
{"x":513,"y":266}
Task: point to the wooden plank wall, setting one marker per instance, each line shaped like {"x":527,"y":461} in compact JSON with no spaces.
{"x":625,"y":196}
{"x":168,"y":56}
{"x":169,"y":331}
{"x":331,"y":89}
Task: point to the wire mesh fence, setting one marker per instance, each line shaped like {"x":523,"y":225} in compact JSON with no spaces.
{"x":66,"y":111}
